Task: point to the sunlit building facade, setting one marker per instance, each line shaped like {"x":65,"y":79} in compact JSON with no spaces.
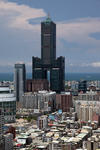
{"x":8,"y":104}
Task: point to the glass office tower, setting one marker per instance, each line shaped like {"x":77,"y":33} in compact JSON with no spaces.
{"x":48,"y":41}
{"x":48,"y":61}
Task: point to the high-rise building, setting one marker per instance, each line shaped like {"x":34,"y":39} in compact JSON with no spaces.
{"x":82,"y":87}
{"x":48,"y":61}
{"x":44,"y":101}
{"x":48,"y":41}
{"x":64,"y":101}
{"x":8,"y":104}
{"x":19,"y":80}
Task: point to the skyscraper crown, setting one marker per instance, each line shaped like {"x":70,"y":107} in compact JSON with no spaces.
{"x":48,"y":19}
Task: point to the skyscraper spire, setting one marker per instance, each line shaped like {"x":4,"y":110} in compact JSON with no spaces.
{"x":48,"y":15}
{"x":48,"y":19}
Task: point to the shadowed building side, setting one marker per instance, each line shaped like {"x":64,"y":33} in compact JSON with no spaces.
{"x":37,"y":85}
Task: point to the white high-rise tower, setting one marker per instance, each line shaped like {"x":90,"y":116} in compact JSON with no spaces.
{"x":19,"y":80}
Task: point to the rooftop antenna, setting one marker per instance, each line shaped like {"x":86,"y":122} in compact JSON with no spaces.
{"x":49,"y":15}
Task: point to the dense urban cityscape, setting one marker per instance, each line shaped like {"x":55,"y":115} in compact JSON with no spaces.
{"x":46,"y":112}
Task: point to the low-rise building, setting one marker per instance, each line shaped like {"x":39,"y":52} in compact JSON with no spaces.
{"x":43,"y":122}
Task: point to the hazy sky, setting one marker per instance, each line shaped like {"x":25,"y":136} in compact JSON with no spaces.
{"x":78,"y":32}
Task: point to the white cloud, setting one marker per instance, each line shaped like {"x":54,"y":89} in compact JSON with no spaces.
{"x":79,"y":30}
{"x":4,"y":64}
{"x":92,"y":64}
{"x":76,"y":30}
{"x":11,"y":64}
{"x":19,"y":15}
{"x":95,"y":64}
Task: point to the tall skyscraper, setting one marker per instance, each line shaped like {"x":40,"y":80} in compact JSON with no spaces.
{"x":48,"y":41}
{"x":48,"y":61}
{"x":19,"y":80}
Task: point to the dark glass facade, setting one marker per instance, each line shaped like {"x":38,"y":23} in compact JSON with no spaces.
{"x":57,"y":75}
{"x":48,"y":41}
{"x":48,"y":61}
{"x":82,"y":86}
